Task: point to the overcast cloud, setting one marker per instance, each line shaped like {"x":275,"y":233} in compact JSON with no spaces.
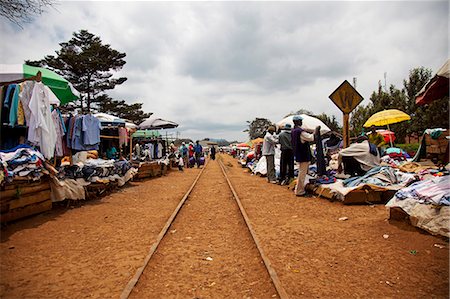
{"x":211,"y":66}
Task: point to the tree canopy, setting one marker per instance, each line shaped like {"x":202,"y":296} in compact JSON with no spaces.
{"x":88,"y":64}
{"x":120,"y":108}
{"x":422,"y":117}
{"x":257,"y":127}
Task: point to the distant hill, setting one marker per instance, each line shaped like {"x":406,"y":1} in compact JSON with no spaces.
{"x":220,"y":142}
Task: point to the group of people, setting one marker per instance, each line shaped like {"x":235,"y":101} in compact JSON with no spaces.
{"x":295,"y":146}
{"x":190,"y":155}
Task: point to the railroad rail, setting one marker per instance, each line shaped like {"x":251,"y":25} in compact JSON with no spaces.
{"x":270,"y":270}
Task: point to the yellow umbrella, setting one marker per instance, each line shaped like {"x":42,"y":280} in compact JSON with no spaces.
{"x":387,"y":117}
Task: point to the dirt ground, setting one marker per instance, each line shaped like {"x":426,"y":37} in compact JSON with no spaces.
{"x":92,"y":251}
{"x":316,"y":255}
{"x":208,"y":252}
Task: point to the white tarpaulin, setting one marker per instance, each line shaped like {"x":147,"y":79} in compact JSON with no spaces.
{"x":309,"y":123}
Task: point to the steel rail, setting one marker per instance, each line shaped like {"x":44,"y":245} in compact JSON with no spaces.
{"x":134,"y":280}
{"x":270,"y":270}
{"x":273,"y":274}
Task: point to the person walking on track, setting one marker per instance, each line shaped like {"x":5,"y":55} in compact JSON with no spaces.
{"x":213,"y":153}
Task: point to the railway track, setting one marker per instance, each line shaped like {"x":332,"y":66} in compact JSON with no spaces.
{"x":242,"y":220}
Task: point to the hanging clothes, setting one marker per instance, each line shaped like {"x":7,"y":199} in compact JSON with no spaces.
{"x":14,"y":107}
{"x":25,"y":97}
{"x":91,"y":129}
{"x":7,"y":103}
{"x":123,"y":136}
{"x":41,"y":130}
{"x":59,"y":147}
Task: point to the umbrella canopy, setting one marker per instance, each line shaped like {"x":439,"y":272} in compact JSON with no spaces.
{"x":437,"y":88}
{"x":243,"y":144}
{"x":257,"y":140}
{"x":157,"y":123}
{"x":387,"y":135}
{"x":146,"y":134}
{"x":62,"y":88}
{"x":104,"y":117}
{"x":309,"y":122}
{"x":386,"y":117}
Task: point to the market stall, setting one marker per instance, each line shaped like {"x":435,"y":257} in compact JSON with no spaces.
{"x":45,"y":157}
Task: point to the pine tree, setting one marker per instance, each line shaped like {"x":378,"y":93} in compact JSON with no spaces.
{"x":88,"y":64}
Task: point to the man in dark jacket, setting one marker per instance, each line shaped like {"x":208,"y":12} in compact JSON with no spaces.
{"x":302,"y":152}
{"x":287,"y":156}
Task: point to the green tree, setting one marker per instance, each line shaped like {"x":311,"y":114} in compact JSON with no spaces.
{"x":257,"y":127}
{"x":357,"y":119}
{"x":330,"y":121}
{"x":423,"y":117}
{"x":88,"y":64}
{"x":119,"y":108}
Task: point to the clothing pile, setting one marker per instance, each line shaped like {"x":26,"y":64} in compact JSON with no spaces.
{"x":382,"y":176}
{"x":434,"y":191}
{"x":93,"y":170}
{"x":70,"y":181}
{"x":21,"y":161}
{"x":427,"y":203}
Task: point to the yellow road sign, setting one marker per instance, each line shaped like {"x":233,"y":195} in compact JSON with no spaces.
{"x":346,"y":97}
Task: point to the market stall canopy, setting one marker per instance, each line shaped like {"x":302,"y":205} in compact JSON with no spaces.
{"x":243,"y":145}
{"x":146,"y":134}
{"x":257,"y":140}
{"x":157,"y":123}
{"x":386,"y":117}
{"x":62,"y":88}
{"x":309,"y":122}
{"x":437,"y":88}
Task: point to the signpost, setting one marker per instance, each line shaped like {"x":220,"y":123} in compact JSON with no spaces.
{"x":346,"y":98}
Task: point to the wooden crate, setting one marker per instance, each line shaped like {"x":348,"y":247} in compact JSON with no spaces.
{"x":14,"y":208}
{"x":26,"y":211}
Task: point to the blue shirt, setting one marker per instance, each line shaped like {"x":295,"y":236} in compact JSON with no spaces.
{"x":198,"y":149}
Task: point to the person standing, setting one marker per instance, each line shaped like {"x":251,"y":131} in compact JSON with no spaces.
{"x":213,"y":153}
{"x":190,"y":155}
{"x":287,"y":156}
{"x":268,"y":150}
{"x":376,"y":138}
{"x":183,"y":152}
{"x":198,"y":150}
{"x":302,"y":152}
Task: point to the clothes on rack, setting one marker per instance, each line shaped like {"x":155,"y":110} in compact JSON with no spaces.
{"x":82,"y":132}
{"x":123,"y":136}
{"x":41,"y":129}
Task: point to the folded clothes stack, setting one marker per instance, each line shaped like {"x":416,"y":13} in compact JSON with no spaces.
{"x":21,"y":162}
{"x":93,"y":169}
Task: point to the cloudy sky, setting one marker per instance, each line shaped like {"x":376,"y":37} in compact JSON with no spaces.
{"x":211,"y":66}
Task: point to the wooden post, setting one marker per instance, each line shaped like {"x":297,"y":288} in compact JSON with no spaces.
{"x":346,"y":135}
{"x":131,"y":147}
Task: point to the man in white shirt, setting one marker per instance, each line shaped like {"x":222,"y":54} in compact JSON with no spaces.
{"x":268,"y":150}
